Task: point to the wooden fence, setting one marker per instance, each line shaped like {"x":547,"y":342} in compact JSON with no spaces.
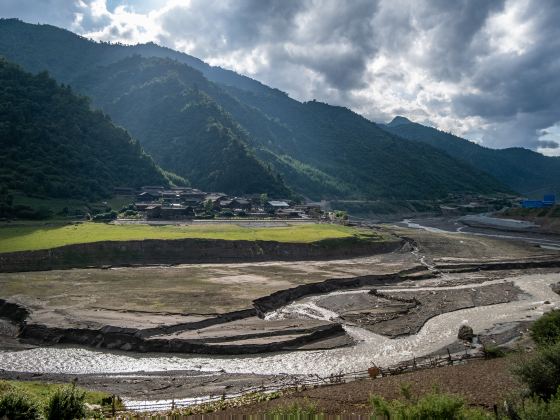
{"x":301,"y":383}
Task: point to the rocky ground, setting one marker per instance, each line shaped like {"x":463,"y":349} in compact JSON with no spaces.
{"x":220,"y":308}
{"x":404,"y":312}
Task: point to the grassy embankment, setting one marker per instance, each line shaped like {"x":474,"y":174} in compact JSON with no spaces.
{"x":41,"y":391}
{"x":33,"y":237}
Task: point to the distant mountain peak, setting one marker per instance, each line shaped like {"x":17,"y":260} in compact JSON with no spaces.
{"x":398,"y":120}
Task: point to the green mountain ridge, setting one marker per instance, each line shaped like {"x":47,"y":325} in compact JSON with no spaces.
{"x":161,"y":102}
{"x":523,"y":170}
{"x":53,"y":145}
{"x":185,"y":111}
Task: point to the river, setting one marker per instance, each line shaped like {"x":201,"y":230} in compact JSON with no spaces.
{"x":369,"y":347}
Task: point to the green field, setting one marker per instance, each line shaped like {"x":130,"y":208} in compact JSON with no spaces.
{"x":32,"y":237}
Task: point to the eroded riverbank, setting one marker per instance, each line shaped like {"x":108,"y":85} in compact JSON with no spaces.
{"x":455,"y":278}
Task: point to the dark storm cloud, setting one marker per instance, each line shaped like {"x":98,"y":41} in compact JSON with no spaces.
{"x":548,"y":144}
{"x":453,"y":28}
{"x":326,"y":36}
{"x":216,"y":25}
{"x":522,"y":91}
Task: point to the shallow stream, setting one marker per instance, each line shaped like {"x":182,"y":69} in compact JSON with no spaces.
{"x":370,"y":348}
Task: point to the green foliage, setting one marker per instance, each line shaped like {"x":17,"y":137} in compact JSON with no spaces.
{"x":341,"y":214}
{"x":546,"y":330}
{"x":208,"y":206}
{"x":107,"y":217}
{"x":492,"y":351}
{"x":53,"y":145}
{"x":523,"y":170}
{"x":294,"y":411}
{"x":541,"y":372}
{"x":263,"y":199}
{"x":16,"y":405}
{"x":433,"y":406}
{"x":226,"y":213}
{"x":67,"y":403}
{"x":533,"y":408}
{"x":130,"y":213}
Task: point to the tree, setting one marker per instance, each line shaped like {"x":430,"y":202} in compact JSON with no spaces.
{"x":208,"y":206}
{"x":264,"y":198}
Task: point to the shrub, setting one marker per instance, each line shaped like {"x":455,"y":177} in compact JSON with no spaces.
{"x":339,"y":214}
{"x":492,"y":351}
{"x":294,"y":411}
{"x":67,"y":403}
{"x":226,"y":213}
{"x":434,"y":406}
{"x":541,"y":372}
{"x":103,"y":217}
{"x":129,"y":213}
{"x":534,"y":408}
{"x":16,"y":405}
{"x":546,"y":330}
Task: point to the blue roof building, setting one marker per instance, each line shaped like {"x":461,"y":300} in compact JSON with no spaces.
{"x":548,"y":200}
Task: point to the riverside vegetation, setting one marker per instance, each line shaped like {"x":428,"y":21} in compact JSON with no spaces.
{"x":21,"y":400}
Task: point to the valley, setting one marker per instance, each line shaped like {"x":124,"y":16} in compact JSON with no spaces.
{"x":178,"y":238}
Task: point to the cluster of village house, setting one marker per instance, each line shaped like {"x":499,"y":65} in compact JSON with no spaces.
{"x":186,"y":203}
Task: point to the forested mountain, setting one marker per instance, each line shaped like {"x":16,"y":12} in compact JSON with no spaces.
{"x":163,"y":104}
{"x":53,"y":145}
{"x":208,"y":124}
{"x":523,"y":170}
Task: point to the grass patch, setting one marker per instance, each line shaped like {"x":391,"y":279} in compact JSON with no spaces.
{"x":33,"y":237}
{"x":42,"y":391}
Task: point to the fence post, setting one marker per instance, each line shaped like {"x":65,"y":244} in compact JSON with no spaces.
{"x":449,"y":356}
{"x":113,"y":406}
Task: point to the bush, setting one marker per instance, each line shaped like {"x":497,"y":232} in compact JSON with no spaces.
{"x":294,"y":411}
{"x":546,"y":330}
{"x":130,"y":213}
{"x":67,"y":403}
{"x":492,"y":351}
{"x":342,"y":215}
{"x":104,"y":217}
{"x":541,"y":372}
{"x":534,"y":408}
{"x":226,"y":213}
{"x":16,"y":405}
{"x":434,"y":406}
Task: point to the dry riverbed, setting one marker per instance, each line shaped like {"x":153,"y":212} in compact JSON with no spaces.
{"x":340,"y":314}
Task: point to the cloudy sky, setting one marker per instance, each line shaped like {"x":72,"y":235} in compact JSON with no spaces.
{"x":485,"y":69}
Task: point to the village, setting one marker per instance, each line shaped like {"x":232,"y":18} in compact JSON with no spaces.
{"x":184,"y":203}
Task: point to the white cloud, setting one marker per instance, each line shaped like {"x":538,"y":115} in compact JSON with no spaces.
{"x":486,"y":70}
